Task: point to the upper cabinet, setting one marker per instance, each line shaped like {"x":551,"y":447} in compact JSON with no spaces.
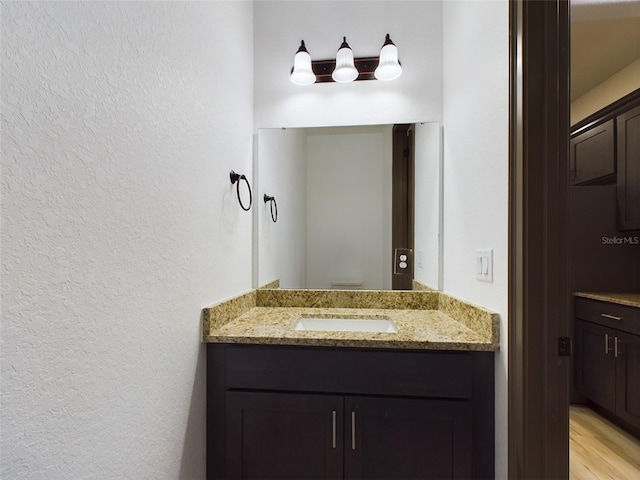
{"x":628,"y":136}
{"x":605,"y":150}
{"x":593,"y":158}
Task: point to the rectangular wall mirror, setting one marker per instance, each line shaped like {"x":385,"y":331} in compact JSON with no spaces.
{"x":356,"y":207}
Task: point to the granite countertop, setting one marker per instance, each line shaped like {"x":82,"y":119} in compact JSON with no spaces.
{"x":629,"y":299}
{"x":429,"y":328}
{"x":419,"y":329}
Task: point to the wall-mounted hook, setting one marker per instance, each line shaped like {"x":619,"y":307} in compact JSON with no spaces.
{"x":273,"y":207}
{"x":235,"y":178}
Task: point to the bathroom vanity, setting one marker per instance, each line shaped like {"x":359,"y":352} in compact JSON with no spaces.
{"x":286,"y":403}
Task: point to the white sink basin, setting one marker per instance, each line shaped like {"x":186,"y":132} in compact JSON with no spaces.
{"x":333,"y":324}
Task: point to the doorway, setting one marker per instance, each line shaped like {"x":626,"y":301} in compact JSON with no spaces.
{"x":605,"y":47}
{"x":540,"y":291}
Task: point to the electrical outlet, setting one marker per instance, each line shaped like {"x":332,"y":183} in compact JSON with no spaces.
{"x":402,"y":261}
{"x":484,"y":265}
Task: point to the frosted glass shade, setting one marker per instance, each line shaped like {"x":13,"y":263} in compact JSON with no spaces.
{"x":345,"y":70}
{"x":389,"y":67}
{"x":302,"y":73}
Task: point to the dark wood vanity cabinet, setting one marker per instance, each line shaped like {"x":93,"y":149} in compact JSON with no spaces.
{"x":300,"y":436}
{"x":407,"y":438}
{"x":320,"y":412}
{"x":628,"y":154}
{"x":281,"y":435}
{"x":607,"y":366}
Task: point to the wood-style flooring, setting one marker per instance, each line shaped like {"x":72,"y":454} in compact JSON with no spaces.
{"x":599,"y":450}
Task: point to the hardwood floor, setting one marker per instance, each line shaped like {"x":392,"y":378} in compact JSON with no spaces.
{"x":600,"y":450}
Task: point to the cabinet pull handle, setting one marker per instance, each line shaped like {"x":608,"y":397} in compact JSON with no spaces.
{"x":617,"y":352}
{"x":353,"y":430}
{"x":610,"y":317}
{"x":334,"y":429}
{"x":606,"y":344}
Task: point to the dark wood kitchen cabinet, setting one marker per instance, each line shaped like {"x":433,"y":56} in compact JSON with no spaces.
{"x":595,"y":363}
{"x":607,"y":367}
{"x":592,"y":155}
{"x":605,"y":150}
{"x":321,"y":412}
{"x":628,"y":378}
{"x":628,"y":154}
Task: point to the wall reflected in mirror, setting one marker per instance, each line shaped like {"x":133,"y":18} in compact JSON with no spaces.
{"x":334,"y":188}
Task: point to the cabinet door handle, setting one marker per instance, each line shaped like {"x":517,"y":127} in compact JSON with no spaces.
{"x":617,"y":352}
{"x":610,"y":317}
{"x":334,"y":436}
{"x":606,"y":344}
{"x":353,"y":430}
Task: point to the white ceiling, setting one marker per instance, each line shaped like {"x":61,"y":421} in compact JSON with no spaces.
{"x":605,"y":38}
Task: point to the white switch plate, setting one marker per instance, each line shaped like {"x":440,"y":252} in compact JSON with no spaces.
{"x":484,"y":265}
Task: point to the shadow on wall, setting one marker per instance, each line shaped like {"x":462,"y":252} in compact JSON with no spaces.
{"x":195,"y":438}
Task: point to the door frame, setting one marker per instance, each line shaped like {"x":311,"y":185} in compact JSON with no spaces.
{"x":539,"y":295}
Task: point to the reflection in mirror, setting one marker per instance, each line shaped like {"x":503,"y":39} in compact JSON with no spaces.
{"x":335,"y":187}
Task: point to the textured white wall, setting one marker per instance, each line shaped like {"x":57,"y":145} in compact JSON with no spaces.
{"x":414,"y":26}
{"x":476,"y":115}
{"x":119,"y":128}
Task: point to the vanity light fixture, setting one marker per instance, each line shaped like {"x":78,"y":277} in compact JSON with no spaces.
{"x":389,"y":67}
{"x":302,"y":73}
{"x":345,"y":68}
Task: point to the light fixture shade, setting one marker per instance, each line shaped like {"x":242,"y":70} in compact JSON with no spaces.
{"x":345,"y":70}
{"x":302,"y":73}
{"x":389,"y":67}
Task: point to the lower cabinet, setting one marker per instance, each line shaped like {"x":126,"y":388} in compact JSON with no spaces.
{"x":607,"y":364}
{"x":299,"y":436}
{"x":596,"y":364}
{"x":628,"y":378}
{"x":283,"y":436}
{"x":326,"y":413}
{"x":407,"y":439}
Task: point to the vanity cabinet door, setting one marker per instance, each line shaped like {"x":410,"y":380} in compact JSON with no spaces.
{"x":407,"y":438}
{"x":628,"y":378}
{"x":596,"y":363}
{"x":283,"y":436}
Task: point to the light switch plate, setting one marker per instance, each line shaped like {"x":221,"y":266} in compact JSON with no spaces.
{"x":484,"y":265}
